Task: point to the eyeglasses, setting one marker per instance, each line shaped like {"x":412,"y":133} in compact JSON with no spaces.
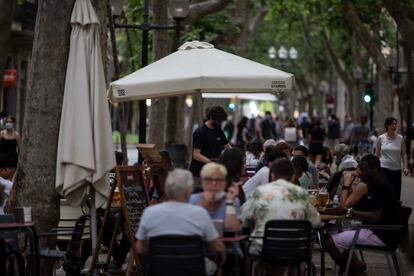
{"x":209,"y":179}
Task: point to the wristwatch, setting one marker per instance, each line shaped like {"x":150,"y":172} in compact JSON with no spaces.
{"x":348,"y":212}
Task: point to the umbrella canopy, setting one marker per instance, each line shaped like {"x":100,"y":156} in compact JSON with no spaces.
{"x":241,"y":96}
{"x":199,"y":67}
{"x":85,"y":148}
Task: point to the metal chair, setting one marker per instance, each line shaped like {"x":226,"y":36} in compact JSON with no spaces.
{"x":176,"y":255}
{"x":287,"y":243}
{"x":9,"y":246}
{"x":72,"y":262}
{"x":394,"y":250}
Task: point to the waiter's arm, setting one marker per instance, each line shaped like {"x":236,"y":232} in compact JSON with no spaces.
{"x":199,"y":157}
{"x":227,"y":146}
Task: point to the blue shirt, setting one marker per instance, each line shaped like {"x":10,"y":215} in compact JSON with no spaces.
{"x":220,"y":212}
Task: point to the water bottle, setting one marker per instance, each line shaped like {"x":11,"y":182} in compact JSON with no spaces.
{"x":335,"y":201}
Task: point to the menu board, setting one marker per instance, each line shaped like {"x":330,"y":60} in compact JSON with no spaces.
{"x":133,"y":194}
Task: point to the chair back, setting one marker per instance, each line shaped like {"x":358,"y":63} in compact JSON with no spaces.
{"x":73,"y":263}
{"x":287,"y":242}
{"x":403,"y":218}
{"x":176,"y":255}
{"x":9,"y":236}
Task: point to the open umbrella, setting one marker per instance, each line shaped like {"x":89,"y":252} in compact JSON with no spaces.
{"x":199,"y":67}
{"x":241,"y":96}
{"x":85,"y":148}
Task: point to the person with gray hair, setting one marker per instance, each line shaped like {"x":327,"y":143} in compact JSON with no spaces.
{"x":220,"y":204}
{"x":176,"y":217}
{"x":343,"y":159}
{"x":178,"y":183}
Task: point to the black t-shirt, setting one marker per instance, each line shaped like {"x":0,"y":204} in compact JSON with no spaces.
{"x":210,"y":142}
{"x":317,"y":135}
{"x":381,"y":196}
{"x":268,"y":128}
{"x":333,"y":130}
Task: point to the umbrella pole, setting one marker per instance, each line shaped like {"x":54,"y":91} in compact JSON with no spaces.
{"x":93,"y":218}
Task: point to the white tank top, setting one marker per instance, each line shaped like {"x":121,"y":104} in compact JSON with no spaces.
{"x":290,"y":134}
{"x":390,"y":152}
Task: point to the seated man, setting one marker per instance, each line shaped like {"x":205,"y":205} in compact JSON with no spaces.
{"x":6,"y":174}
{"x":374,"y":202}
{"x":177,"y":217}
{"x":279,"y":199}
{"x":262,"y":176}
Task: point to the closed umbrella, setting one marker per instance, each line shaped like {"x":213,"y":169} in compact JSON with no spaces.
{"x":199,"y":67}
{"x":85,"y":148}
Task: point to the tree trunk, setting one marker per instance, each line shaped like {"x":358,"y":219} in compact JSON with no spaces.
{"x":383,"y":104}
{"x":6,"y":18}
{"x":158,"y":114}
{"x":34,"y":183}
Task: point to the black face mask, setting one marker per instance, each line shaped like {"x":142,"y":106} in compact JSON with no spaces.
{"x":216,"y":125}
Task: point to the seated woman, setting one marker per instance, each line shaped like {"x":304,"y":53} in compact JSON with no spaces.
{"x":303,"y":177}
{"x":234,"y":161}
{"x":253,"y":155}
{"x":219,"y":204}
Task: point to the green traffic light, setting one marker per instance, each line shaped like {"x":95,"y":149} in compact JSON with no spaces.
{"x":232,"y":106}
{"x":367,"y":98}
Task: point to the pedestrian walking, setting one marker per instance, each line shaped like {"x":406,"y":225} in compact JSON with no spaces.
{"x":291,"y":133}
{"x":390,"y":149}
{"x":334,"y":133}
{"x":317,"y":138}
{"x":10,"y":140}
{"x":242,"y":136}
{"x":360,"y":135}
{"x":267,"y":127}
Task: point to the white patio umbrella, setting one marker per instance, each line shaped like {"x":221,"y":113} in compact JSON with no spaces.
{"x":241,"y":96}
{"x":199,"y":67}
{"x":85,"y":148}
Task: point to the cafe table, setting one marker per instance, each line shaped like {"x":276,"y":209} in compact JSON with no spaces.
{"x":33,"y":267}
{"x":320,"y":232}
{"x":232,"y":243}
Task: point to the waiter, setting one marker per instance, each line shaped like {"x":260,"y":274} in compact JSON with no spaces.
{"x":208,"y":141}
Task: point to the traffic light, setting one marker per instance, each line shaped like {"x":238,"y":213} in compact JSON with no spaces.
{"x":232,"y":103}
{"x":369,"y":96}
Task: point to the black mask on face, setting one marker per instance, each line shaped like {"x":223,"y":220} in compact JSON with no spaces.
{"x":216,"y":124}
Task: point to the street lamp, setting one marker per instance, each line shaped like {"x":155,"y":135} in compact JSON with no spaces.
{"x":282,"y":53}
{"x":178,"y":9}
{"x":293,"y":54}
{"x":117,"y":7}
{"x":272,"y":55}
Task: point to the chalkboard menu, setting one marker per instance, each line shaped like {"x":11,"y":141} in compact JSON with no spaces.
{"x":133,"y":194}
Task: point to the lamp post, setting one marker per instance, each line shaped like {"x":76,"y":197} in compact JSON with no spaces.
{"x":282,"y":53}
{"x":179,"y":10}
{"x":272,"y":55}
{"x":293,"y":54}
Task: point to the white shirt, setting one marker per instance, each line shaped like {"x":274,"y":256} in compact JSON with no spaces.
{"x":260,"y":178}
{"x":390,"y":155}
{"x":7,"y":188}
{"x":290,"y":134}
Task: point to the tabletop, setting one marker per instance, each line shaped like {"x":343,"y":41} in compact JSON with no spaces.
{"x":11,"y":225}
{"x":234,"y":239}
{"x":325,"y":217}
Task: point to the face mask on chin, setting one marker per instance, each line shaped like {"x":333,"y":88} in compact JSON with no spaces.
{"x":216,"y":125}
